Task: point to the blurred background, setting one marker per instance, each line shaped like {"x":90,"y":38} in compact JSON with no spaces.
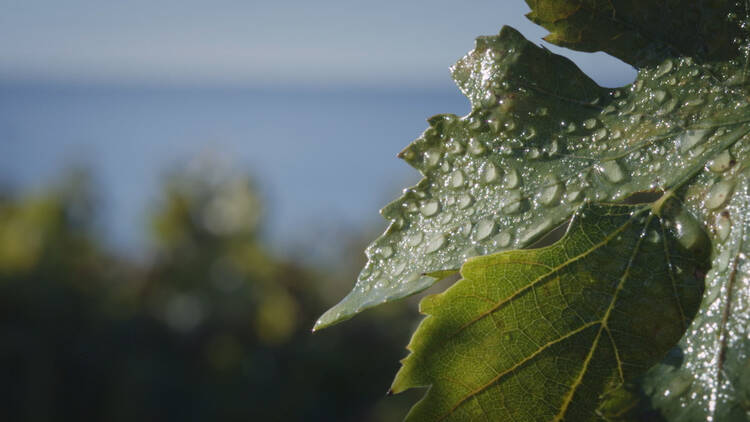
{"x":186,"y":185}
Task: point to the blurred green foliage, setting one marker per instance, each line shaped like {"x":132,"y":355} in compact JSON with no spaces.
{"x":213,"y":327}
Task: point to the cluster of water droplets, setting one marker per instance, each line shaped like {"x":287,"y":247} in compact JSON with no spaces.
{"x":527,"y":156}
{"x":710,"y":383}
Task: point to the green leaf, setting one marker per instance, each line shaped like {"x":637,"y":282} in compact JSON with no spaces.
{"x":641,"y":32}
{"x":542,"y":138}
{"x":543,"y":334}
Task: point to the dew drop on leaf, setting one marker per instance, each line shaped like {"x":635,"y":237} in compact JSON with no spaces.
{"x":483,"y":229}
{"x":589,"y":124}
{"x":414,"y":239}
{"x":574,"y":195}
{"x":660,"y":96}
{"x":502,"y":240}
{"x":512,"y":179}
{"x":663,"y":68}
{"x":612,"y":171}
{"x":723,"y":226}
{"x":464,"y":200}
{"x":429,"y":208}
{"x":721,"y":162}
{"x":679,"y":385}
{"x":432,"y":157}
{"x":435,"y":243}
{"x":692,"y":138}
{"x":457,"y":179}
{"x":551,"y":193}
{"x":489,"y":174}
{"x":475,"y":147}
{"x":513,"y":202}
{"x":719,"y":194}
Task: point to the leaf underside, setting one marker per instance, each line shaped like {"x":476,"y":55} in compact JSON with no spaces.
{"x":541,"y":334}
{"x":542,"y":139}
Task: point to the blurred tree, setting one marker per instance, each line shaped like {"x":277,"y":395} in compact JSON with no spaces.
{"x":213,"y":328}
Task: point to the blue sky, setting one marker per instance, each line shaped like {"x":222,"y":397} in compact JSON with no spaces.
{"x":317,"y":43}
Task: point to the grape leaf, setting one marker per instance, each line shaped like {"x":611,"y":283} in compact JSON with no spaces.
{"x":542,"y":334}
{"x":542,"y":138}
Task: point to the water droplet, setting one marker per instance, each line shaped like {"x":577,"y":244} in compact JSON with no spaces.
{"x":694,"y":102}
{"x":551,"y":193}
{"x":536,"y":231}
{"x":466,"y":229}
{"x":691,"y":138}
{"x":653,"y":236}
{"x":660,"y":95}
{"x":399,"y":267}
{"x":512,"y":179}
{"x":679,"y":385}
{"x":721,"y":162}
{"x":469,"y":252}
{"x":457,"y":179}
{"x":668,"y":107}
{"x":502,"y":240}
{"x":600,"y":134}
{"x":574,"y":195}
{"x":429,"y":208}
{"x":464,"y":200}
{"x":689,"y":233}
{"x":494,"y":125}
{"x":722,"y":262}
{"x":612,"y":171}
{"x":410,"y":206}
{"x":386,"y":251}
{"x":723,"y":227}
{"x":432,"y":157}
{"x":719,"y":194}
{"x":589,"y":123}
{"x":435,"y":243}
{"x":512,"y":202}
{"x":475,"y":147}
{"x":664,"y":68}
{"x":445,"y":218}
{"x":489,"y":174}
{"x":483,"y":229}
{"x":554,"y":147}
{"x":414,"y":239}
{"x":454,"y":147}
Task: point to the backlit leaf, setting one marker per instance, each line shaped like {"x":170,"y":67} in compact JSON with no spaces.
{"x":543,"y":334}
{"x":542,"y":139}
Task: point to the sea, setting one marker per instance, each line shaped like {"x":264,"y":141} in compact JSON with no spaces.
{"x":324,"y":159}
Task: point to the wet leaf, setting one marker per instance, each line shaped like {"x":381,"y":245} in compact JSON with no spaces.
{"x":542,"y":138}
{"x":544,"y":334}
